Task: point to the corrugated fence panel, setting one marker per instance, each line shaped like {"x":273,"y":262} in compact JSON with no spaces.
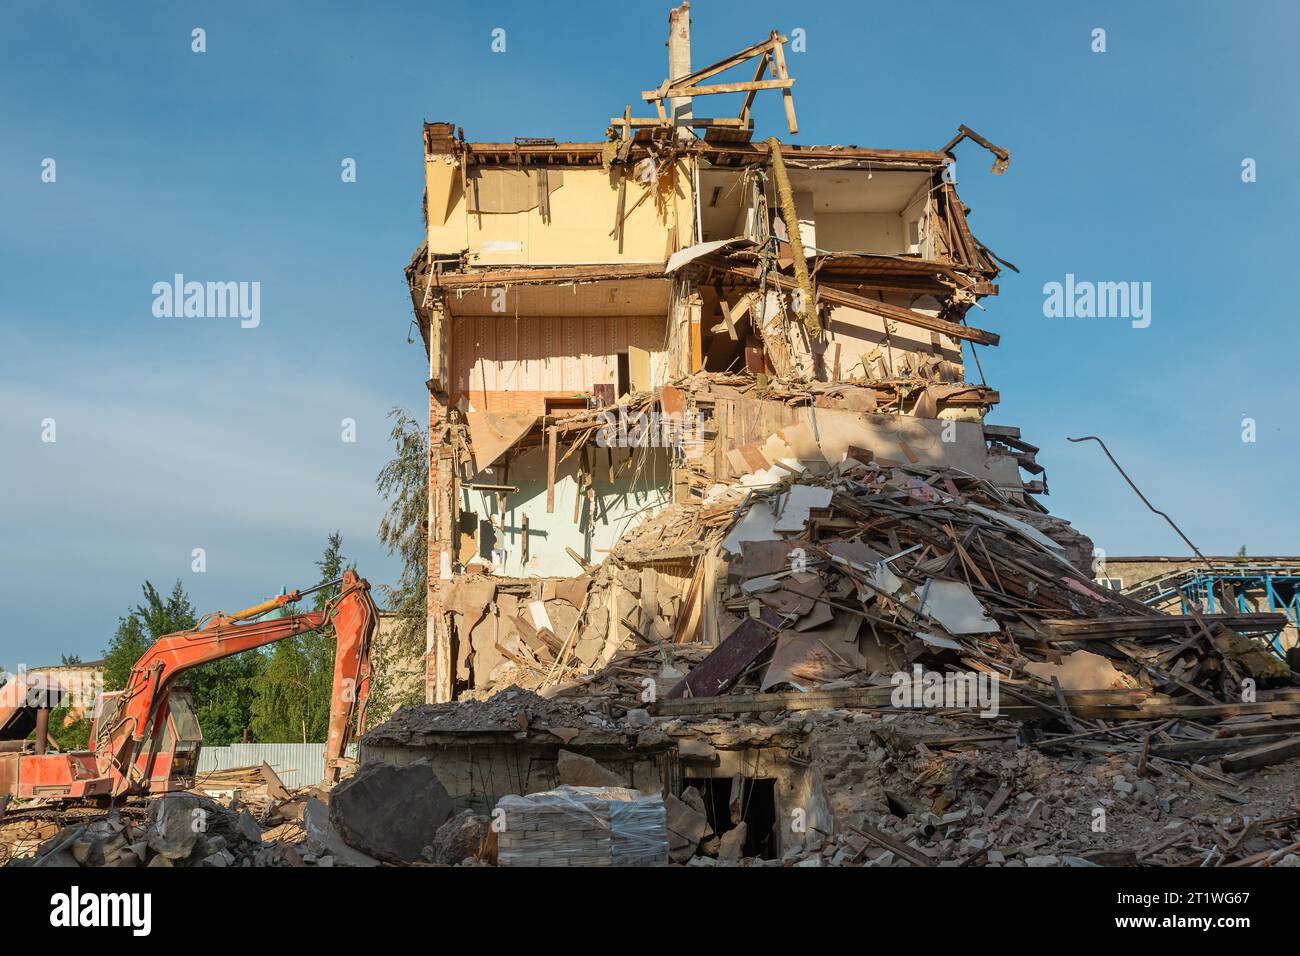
{"x":299,"y":765}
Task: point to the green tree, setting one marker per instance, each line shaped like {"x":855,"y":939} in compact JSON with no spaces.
{"x":403,"y":530}
{"x":69,"y":729}
{"x":292,"y":692}
{"x":127,"y":645}
{"x":223,"y":691}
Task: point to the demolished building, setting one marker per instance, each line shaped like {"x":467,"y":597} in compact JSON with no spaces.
{"x":567,"y":292}
{"x":712,"y":484}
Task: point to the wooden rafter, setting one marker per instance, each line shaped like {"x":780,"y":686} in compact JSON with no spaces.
{"x":771,"y":58}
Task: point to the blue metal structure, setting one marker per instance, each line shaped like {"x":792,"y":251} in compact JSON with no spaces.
{"x":1244,"y":586}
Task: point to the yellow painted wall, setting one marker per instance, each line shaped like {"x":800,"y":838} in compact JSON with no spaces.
{"x":583,"y":210}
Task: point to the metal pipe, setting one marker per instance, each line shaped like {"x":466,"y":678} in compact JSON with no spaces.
{"x":280,"y":601}
{"x":1138,"y":492}
{"x":42,"y":730}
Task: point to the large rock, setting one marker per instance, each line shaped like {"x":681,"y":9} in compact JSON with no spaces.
{"x":575,"y":770}
{"x":732,"y":849}
{"x":324,"y":840}
{"x":176,"y":821}
{"x":464,"y":835}
{"x":390,"y":812}
{"x":686,"y":828}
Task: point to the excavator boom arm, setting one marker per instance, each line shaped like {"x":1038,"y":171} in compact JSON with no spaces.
{"x":123,"y":732}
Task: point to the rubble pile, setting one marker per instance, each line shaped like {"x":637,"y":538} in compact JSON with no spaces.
{"x":177,"y":829}
{"x":511,"y":708}
{"x":827,"y":602}
{"x":839,"y":579}
{"x":923,"y":790}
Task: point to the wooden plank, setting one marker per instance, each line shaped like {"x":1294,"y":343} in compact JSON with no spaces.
{"x":550,"y":470}
{"x":754,"y":49}
{"x":490,"y":278}
{"x":763,"y":62}
{"x":1262,"y":756}
{"x":1289,"y":708}
{"x":1195,"y":749}
{"x":915,"y":857}
{"x":1102,"y":628}
{"x":579,"y":558}
{"x":778,"y":54}
{"x":727,"y":321}
{"x":720,"y":669}
{"x":1259,"y":728}
{"x":704,"y":122}
{"x":885,"y":310}
{"x":778,"y":84}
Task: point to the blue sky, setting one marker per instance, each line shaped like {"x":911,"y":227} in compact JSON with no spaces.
{"x":174,"y":434}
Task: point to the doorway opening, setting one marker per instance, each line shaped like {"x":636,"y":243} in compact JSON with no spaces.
{"x":754,"y":805}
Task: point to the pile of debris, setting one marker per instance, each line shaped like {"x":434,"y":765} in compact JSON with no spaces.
{"x":257,"y":823}
{"x":830,"y":582}
{"x":940,"y":657}
{"x":178,"y":829}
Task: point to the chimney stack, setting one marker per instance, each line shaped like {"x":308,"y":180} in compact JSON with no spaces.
{"x":679,"y":63}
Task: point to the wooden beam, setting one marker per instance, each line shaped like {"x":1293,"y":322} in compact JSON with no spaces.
{"x":885,"y":310}
{"x":763,"y":62}
{"x":754,"y":49}
{"x":703,"y":122}
{"x":777,"y":84}
{"x":1262,"y":756}
{"x":786,"y":95}
{"x":1104,"y":628}
{"x":488,"y":278}
{"x":550,"y":470}
{"x":727,"y":322}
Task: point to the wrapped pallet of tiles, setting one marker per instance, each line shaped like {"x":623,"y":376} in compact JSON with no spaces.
{"x":582,"y":826}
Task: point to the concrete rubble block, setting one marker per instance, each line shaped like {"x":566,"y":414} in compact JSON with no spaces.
{"x":249,"y":828}
{"x":686,"y":828}
{"x":697,"y":750}
{"x":575,"y":770}
{"x":638,"y":717}
{"x":732,"y":848}
{"x":464,"y":835}
{"x":390,"y":812}
{"x":176,"y":821}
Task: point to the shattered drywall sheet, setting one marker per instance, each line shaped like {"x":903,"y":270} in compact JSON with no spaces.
{"x":769,"y":518}
{"x":956,"y":607}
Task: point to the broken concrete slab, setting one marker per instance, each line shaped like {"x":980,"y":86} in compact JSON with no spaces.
{"x":389,"y":812}
{"x":576,"y":770}
{"x":321,"y":833}
{"x":687,"y":826}
{"x":176,"y":821}
{"x":732,"y":848}
{"x":464,"y":835}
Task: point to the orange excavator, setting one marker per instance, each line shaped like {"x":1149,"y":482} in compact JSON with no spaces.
{"x":146,"y":739}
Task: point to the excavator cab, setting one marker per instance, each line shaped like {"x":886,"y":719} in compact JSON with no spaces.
{"x":182,"y":739}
